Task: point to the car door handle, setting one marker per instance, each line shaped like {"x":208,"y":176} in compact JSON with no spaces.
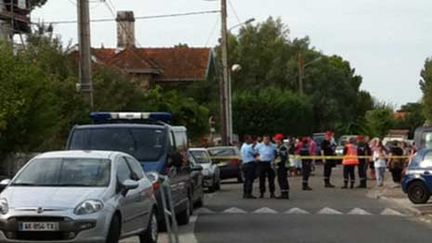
{"x":426,"y":173}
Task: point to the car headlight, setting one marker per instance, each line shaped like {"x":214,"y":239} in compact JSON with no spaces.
{"x":4,"y":206}
{"x":89,"y":207}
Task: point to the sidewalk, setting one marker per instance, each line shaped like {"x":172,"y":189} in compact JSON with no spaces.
{"x":393,"y":193}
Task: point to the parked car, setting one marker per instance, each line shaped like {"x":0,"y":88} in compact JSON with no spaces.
{"x":423,"y":137}
{"x":197,"y":182}
{"x":341,"y":143}
{"x":159,"y":148}
{"x":210,"y":171}
{"x":78,"y":196}
{"x":228,"y":159}
{"x":417,"y":181}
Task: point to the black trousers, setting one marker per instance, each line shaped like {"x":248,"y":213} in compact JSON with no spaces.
{"x":282,"y":176}
{"x":306,"y":170}
{"x":249,"y":172}
{"x":349,"y":174}
{"x":266,"y":171}
{"x":362,"y":171}
{"x":328,"y":166}
{"x":396,"y":174}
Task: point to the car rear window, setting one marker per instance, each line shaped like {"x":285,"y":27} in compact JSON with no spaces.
{"x":222,"y":152}
{"x":145,"y":144}
{"x":201,"y":157}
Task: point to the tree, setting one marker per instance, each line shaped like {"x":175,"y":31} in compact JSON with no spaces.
{"x":426,"y":87}
{"x":378,"y":122}
{"x":270,"y":59}
{"x":414,"y":117}
{"x":272,"y":111}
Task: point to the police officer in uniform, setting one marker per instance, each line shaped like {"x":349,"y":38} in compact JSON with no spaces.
{"x":266,"y":153}
{"x":249,"y":166}
{"x":304,"y":150}
{"x":363,"y":149}
{"x":328,"y":149}
{"x":282,"y":170}
{"x":350,"y":161}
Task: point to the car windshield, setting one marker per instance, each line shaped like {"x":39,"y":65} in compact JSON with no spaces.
{"x":145,"y":144}
{"x":65,"y":172}
{"x":222,"y":152}
{"x":201,"y":157}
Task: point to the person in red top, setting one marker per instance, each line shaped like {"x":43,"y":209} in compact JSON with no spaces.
{"x":350,"y":161}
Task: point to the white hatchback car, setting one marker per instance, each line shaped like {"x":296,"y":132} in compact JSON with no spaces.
{"x":210,"y":170}
{"x":78,"y":196}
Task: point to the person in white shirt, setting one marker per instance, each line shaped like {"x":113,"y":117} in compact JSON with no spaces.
{"x":380,"y":163}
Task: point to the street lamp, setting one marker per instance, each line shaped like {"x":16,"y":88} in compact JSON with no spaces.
{"x":234,"y":68}
{"x":225,"y":83}
{"x":301,"y":67}
{"x":241,"y":24}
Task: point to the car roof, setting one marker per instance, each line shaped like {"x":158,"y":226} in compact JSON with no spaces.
{"x":93,"y":154}
{"x":121,"y":125}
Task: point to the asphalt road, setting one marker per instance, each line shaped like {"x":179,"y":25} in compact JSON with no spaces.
{"x":321,"y":215}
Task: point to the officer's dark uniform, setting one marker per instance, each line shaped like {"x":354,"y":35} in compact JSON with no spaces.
{"x":363,"y":149}
{"x":282,"y":171}
{"x":328,"y":150}
{"x":304,"y":150}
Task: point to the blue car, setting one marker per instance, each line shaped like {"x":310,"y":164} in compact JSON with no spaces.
{"x":417,"y":181}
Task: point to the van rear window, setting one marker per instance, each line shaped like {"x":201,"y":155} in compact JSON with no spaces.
{"x":145,"y":144}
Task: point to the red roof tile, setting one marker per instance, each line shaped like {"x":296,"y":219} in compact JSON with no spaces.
{"x":174,"y":64}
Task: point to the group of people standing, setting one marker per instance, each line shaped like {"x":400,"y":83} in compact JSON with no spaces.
{"x":267,"y":160}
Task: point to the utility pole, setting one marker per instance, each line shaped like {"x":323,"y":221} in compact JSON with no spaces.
{"x":85,"y":76}
{"x":225,"y":75}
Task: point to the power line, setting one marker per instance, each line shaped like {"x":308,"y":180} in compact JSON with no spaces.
{"x":140,"y":17}
{"x":234,"y":11}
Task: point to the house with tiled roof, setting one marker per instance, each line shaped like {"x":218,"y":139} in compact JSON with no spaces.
{"x":155,"y":66}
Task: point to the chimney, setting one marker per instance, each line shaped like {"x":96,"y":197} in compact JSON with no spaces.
{"x":125,"y":29}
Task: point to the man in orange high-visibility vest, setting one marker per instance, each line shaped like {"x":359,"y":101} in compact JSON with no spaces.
{"x":350,"y":161}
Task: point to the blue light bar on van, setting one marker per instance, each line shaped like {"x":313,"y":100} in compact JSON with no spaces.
{"x":109,"y":116}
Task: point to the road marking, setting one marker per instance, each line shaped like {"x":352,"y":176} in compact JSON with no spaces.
{"x":296,"y":211}
{"x":234,"y":210}
{"x":391,"y":212}
{"x":204,"y":211}
{"x":359,"y":211}
{"x":265,"y":210}
{"x":327,"y":210}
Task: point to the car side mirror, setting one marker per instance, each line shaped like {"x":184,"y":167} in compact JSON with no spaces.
{"x":4,"y":183}
{"x":197,"y":168}
{"x":128,"y":185}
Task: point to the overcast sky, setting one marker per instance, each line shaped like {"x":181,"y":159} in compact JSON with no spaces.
{"x":386,"y":41}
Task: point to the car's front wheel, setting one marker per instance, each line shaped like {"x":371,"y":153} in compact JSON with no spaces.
{"x":418,"y":192}
{"x":114,"y":230}
{"x":150,"y":235}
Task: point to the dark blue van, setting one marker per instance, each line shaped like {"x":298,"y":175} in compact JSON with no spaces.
{"x":158,"y":146}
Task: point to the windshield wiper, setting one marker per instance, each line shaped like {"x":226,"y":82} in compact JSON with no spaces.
{"x":24,"y":184}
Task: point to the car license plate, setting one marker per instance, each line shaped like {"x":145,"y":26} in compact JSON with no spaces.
{"x":38,"y":226}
